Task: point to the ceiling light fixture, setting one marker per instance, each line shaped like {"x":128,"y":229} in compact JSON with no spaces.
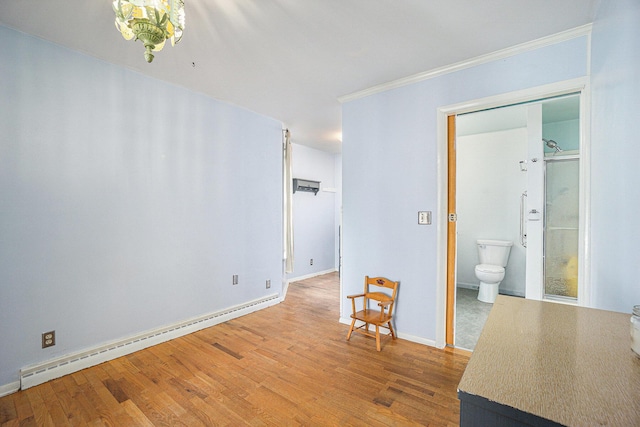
{"x":151,"y":21}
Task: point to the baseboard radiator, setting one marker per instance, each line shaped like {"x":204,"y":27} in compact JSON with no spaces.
{"x":37,"y":374}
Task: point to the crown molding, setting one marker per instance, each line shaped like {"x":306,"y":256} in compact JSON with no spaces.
{"x":478,"y":60}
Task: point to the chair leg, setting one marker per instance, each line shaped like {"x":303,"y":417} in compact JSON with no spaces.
{"x":393,"y":335}
{"x":351,"y":329}
{"x":378,"y":337}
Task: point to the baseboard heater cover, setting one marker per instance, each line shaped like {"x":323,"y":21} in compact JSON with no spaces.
{"x":37,"y":374}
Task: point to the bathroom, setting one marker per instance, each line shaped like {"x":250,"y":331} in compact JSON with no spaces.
{"x":494,"y":170}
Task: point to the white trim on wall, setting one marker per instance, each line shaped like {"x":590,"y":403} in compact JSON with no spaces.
{"x":526,"y":95}
{"x":309,"y":276}
{"x":408,"y":337}
{"x":585,"y":291}
{"x":285,"y":286}
{"x":306,"y":276}
{"x":483,"y":59}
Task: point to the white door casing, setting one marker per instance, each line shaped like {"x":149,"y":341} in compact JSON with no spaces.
{"x":580,"y":85}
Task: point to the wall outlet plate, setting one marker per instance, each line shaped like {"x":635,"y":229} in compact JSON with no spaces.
{"x":268,"y":284}
{"x":48,"y":339}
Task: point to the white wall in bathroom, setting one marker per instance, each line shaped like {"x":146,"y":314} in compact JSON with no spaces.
{"x":489,"y":185}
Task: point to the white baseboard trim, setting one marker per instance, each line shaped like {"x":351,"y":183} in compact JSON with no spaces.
{"x":418,"y":340}
{"x":512,"y":293}
{"x":285,"y":285}
{"x":509,"y":292}
{"x":9,"y":388}
{"x":37,"y":374}
{"x":309,"y":276}
{"x":408,"y":337}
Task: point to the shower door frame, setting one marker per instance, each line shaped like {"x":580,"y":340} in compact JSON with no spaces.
{"x":446,"y":247}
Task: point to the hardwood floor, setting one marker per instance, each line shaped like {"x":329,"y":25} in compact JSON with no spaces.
{"x":289,"y":364}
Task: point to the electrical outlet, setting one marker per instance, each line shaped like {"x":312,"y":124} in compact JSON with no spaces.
{"x":268,"y":284}
{"x":49,"y":339}
{"x":235,"y":279}
{"x":311,"y":261}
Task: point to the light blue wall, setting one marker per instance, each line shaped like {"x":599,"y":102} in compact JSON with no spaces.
{"x":390,"y":172}
{"x":314,"y":228}
{"x":615,"y":171}
{"x":126,"y":203}
{"x":389,"y":158}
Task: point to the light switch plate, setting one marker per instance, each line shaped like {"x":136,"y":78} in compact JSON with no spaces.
{"x":424,"y":217}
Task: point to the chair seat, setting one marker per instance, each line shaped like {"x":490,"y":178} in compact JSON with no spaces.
{"x":371,"y":316}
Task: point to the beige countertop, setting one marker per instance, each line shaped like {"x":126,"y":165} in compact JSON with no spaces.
{"x":572,"y":365}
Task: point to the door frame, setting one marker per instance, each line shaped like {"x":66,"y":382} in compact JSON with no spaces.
{"x":444,"y":305}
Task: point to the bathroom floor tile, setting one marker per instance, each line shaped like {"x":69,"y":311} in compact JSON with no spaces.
{"x":471,"y":315}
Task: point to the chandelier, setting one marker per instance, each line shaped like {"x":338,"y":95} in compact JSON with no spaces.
{"x":151,"y":21}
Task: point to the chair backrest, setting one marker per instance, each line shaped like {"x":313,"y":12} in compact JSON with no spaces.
{"x":376,"y":288}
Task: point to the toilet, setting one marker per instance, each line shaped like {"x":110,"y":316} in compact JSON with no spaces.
{"x":493,"y":255}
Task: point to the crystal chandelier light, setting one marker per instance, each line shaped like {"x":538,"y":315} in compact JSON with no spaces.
{"x":151,"y":21}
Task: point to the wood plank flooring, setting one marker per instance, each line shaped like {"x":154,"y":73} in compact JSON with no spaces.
{"x":287,"y":365}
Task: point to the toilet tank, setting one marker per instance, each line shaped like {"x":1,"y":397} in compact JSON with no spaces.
{"x":494,"y":252}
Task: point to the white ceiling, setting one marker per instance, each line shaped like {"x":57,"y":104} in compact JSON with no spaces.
{"x":292,"y":59}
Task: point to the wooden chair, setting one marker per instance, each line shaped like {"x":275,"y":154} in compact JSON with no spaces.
{"x":373,"y":292}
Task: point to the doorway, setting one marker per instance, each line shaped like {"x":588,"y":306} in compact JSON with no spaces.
{"x":499,"y":156}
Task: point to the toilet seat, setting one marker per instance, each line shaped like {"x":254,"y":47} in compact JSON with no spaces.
{"x":488,"y":268}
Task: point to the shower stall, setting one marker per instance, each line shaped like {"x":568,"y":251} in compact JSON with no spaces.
{"x":561,"y":223}
{"x":555,"y":252}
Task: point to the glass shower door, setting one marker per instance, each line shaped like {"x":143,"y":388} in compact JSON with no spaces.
{"x":561,"y":228}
